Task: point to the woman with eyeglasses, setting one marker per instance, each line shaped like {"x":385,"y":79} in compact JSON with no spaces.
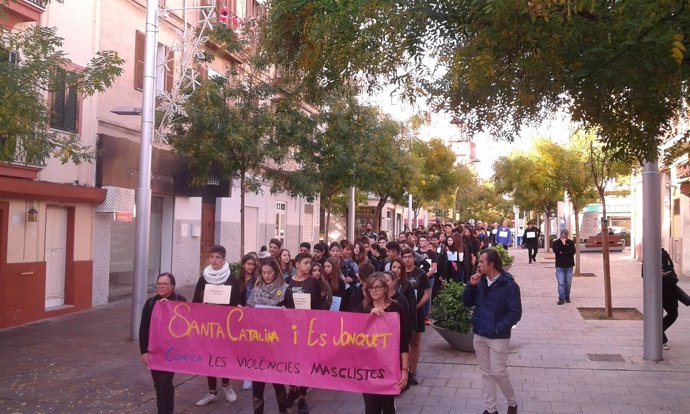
{"x":377,"y":301}
{"x":162,"y":380}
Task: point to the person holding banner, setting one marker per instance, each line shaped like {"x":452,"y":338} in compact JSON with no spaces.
{"x":217,"y":286}
{"x":162,"y":380}
{"x":419,"y":281}
{"x":378,"y":301}
{"x":407,"y":291}
{"x":306,"y":293}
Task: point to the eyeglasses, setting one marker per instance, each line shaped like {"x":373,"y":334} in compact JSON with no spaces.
{"x":163,"y":284}
{"x":375,"y":288}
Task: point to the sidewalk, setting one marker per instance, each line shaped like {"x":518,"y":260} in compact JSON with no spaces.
{"x":84,"y":362}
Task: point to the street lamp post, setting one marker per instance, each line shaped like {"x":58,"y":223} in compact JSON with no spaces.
{"x":143,"y":191}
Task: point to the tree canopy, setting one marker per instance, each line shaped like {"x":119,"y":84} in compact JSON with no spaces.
{"x":617,"y":66}
{"x":35,"y":69}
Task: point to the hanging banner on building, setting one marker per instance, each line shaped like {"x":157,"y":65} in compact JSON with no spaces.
{"x":312,"y":348}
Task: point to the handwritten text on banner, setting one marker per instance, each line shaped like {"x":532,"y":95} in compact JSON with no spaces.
{"x":313,"y":348}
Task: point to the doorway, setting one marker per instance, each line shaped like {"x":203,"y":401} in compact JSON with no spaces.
{"x":208,"y":232}
{"x":55,"y":256}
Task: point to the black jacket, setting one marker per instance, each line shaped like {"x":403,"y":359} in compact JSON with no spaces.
{"x":565,"y":253}
{"x":146,"y":319}
{"x":235,"y":294}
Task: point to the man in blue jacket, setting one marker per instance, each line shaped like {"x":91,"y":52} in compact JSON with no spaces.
{"x":504,"y":236}
{"x":497,"y":308}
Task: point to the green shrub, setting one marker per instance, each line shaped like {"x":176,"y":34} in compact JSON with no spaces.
{"x":506,"y":259}
{"x":235,"y":268}
{"x":449,"y":312}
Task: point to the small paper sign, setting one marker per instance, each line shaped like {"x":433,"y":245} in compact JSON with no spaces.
{"x":302,"y":300}
{"x":503,"y":233}
{"x":335,"y":305}
{"x":461,"y":257}
{"x":217,"y":294}
{"x":531,"y":234}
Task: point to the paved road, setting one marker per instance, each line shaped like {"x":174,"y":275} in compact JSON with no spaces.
{"x":84,"y":363}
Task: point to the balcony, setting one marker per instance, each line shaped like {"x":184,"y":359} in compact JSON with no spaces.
{"x":21,"y":11}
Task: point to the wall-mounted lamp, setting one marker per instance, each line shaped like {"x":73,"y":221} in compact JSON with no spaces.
{"x":32,"y":214}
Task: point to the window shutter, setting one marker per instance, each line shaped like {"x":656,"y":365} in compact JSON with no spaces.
{"x":139,"y":46}
{"x":57,"y":114}
{"x":169,"y":68}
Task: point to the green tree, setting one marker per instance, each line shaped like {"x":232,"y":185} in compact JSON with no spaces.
{"x":520,"y":176}
{"x":438,"y":177}
{"x":605,"y":166}
{"x":480,"y":201}
{"x":32,"y":65}
{"x":619,"y":66}
{"x":241,"y":127}
{"x":564,"y":165}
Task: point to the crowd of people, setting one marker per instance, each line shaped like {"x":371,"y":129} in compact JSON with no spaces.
{"x":375,"y":274}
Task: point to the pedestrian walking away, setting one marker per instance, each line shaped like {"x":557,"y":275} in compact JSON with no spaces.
{"x":497,"y":307}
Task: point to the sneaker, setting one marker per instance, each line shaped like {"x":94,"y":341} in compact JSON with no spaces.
{"x":302,"y":407}
{"x":247,"y":385}
{"x":291,"y":398}
{"x":567,"y":300}
{"x":512,"y":409}
{"x":560,"y":302}
{"x":208,"y":399}
{"x":666,"y":347}
{"x":230,"y":393}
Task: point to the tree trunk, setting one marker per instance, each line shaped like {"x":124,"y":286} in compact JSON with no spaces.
{"x":242,"y":224}
{"x":547,"y":231}
{"x":379,"y":212}
{"x":328,"y":224}
{"x":607,"y":264}
{"x":577,"y":239}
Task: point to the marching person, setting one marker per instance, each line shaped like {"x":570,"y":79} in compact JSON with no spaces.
{"x":162,"y":380}
{"x":270,"y":290}
{"x":669,"y":297}
{"x":217,"y":273}
{"x":378,"y":301}
{"x":564,"y":248}
{"x":530,"y":239}
{"x":497,"y":307}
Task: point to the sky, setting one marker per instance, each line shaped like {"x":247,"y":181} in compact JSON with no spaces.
{"x":487,"y":149}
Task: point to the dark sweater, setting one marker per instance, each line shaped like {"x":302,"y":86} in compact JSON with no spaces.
{"x":565,"y":253}
{"x":235,"y":294}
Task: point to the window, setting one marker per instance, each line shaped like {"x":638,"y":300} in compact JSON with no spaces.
{"x":64,"y":112}
{"x":164,"y":64}
{"x":280,"y":223}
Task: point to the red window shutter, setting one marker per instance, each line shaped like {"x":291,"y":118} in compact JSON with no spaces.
{"x":169,"y":68}
{"x":139,"y":46}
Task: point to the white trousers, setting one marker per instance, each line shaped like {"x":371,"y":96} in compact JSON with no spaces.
{"x":492,"y":357}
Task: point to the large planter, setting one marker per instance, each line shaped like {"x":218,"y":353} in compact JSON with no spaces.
{"x":457,"y":340}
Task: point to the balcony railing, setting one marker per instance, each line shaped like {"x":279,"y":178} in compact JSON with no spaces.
{"x":38,"y":3}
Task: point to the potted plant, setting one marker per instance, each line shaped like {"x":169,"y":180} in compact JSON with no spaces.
{"x":452,"y":319}
{"x":506,"y":259}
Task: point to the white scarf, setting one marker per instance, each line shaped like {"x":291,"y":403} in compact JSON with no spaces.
{"x":217,"y":277}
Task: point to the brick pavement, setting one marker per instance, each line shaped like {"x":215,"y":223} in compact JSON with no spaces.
{"x":84,"y":363}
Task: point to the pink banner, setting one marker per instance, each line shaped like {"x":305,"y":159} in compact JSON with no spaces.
{"x":313,"y":348}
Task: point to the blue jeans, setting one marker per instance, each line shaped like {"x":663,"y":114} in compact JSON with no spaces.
{"x":564,"y":276}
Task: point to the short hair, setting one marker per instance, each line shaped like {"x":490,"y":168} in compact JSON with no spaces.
{"x":494,"y":258}
{"x":375,"y":246}
{"x":302,"y":256}
{"x":409,"y":244}
{"x":217,"y":248}
{"x":364,"y":239}
{"x":335,"y":244}
{"x":169,"y":276}
{"x":393,"y":245}
{"x":322,"y":247}
{"x":305,"y":244}
{"x":366,"y":270}
{"x":422,"y":236}
{"x":277,"y":242}
{"x":407,"y":250}
{"x":344,"y":243}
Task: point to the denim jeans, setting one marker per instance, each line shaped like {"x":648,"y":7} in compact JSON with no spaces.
{"x":564,"y":276}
